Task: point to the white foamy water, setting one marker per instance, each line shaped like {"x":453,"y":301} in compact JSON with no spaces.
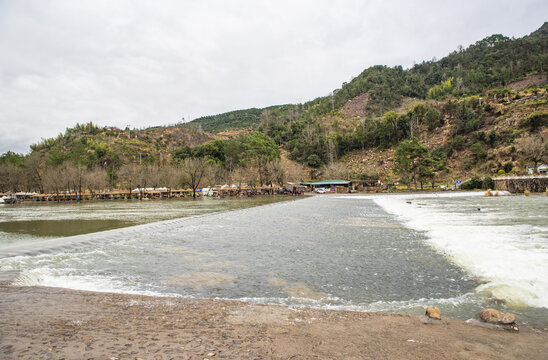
{"x":501,"y":240}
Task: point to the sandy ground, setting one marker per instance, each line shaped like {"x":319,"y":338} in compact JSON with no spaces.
{"x":52,"y":323}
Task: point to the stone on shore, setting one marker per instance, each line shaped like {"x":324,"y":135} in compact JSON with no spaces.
{"x":496,"y":317}
{"x":433,"y":313}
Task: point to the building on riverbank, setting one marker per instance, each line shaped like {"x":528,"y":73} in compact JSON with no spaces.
{"x":333,"y":185}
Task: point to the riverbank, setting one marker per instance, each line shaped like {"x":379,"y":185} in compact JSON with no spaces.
{"x":54,"y":323}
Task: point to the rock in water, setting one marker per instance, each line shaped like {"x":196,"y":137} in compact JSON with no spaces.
{"x":496,"y":317}
{"x":433,"y":313}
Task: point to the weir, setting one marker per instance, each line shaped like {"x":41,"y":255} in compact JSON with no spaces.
{"x":518,"y":184}
{"x":51,"y":245}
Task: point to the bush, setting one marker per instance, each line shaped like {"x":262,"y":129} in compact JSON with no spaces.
{"x":534,"y":121}
{"x":472,"y":125}
{"x":473,"y":183}
{"x":479,"y":151}
{"x":314,"y":161}
{"x":457,"y":143}
{"x":442,"y":152}
{"x":477,"y":183}
{"x":368,"y":176}
{"x":488,"y":183}
{"x":478,"y":136}
{"x":492,"y":138}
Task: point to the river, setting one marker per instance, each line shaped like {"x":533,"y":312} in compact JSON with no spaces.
{"x":399,"y":253}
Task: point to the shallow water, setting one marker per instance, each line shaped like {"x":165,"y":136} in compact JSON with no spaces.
{"x":372,"y":253}
{"x":34,"y":221}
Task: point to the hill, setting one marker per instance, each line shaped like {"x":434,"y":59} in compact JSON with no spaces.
{"x":91,"y":145}
{"x":489,"y":63}
{"x":241,"y":119}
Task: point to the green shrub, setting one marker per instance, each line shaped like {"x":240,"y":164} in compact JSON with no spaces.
{"x":457,"y":143}
{"x":477,"y":183}
{"x":535,"y":121}
{"x":472,"y":125}
{"x":488,"y":183}
{"x":492,"y":138}
{"x":314,"y":161}
{"x":473,"y":183}
{"x":478,"y":136}
{"x":479,"y":151}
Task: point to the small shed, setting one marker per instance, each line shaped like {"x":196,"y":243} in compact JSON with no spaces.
{"x":327,"y":184}
{"x":541,"y":169}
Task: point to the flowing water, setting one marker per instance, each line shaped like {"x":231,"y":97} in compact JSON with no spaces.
{"x":460,"y":252}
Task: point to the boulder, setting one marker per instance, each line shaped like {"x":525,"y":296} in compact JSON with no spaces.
{"x":496,"y":317}
{"x":433,"y":313}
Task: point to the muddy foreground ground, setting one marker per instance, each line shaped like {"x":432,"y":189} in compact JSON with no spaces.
{"x":52,"y":323}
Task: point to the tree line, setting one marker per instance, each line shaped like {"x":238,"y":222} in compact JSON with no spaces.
{"x":253,"y":159}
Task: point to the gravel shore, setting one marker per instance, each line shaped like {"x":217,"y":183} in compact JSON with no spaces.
{"x":53,"y":323}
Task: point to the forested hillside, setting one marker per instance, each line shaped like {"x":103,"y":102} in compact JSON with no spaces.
{"x":481,"y":110}
{"x":489,"y":63}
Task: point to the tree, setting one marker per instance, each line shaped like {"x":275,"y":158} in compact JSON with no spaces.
{"x":314,"y":161}
{"x":96,"y":179}
{"x":11,"y":177}
{"x":75,"y":178}
{"x":426,"y":170}
{"x":533,"y":148}
{"x":276,"y":172}
{"x":193,"y":170}
{"x":335,"y":171}
{"x":535,"y":121}
{"x":169,"y":177}
{"x":53,"y":181}
{"x":412,"y":161}
{"x":35,"y":166}
{"x":259,"y":150}
{"x":129,"y":176}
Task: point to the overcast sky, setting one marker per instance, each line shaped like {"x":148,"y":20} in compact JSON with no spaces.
{"x":143,"y":63}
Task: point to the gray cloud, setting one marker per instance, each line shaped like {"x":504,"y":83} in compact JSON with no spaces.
{"x":141,"y":63}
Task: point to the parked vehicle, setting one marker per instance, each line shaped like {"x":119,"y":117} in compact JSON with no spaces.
{"x":320,"y":190}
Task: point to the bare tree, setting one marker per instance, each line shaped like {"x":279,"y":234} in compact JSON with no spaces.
{"x":169,"y":177}
{"x":96,"y":180}
{"x":194,"y":170}
{"x":53,"y":180}
{"x":74,"y":176}
{"x":139,"y":175}
{"x":252,"y":176}
{"x":35,"y":166}
{"x":336,"y":170}
{"x":533,"y":148}
{"x":153,"y":175}
{"x":239,"y":176}
{"x":128,"y":175}
{"x":11,"y":177}
{"x":276,"y":172}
